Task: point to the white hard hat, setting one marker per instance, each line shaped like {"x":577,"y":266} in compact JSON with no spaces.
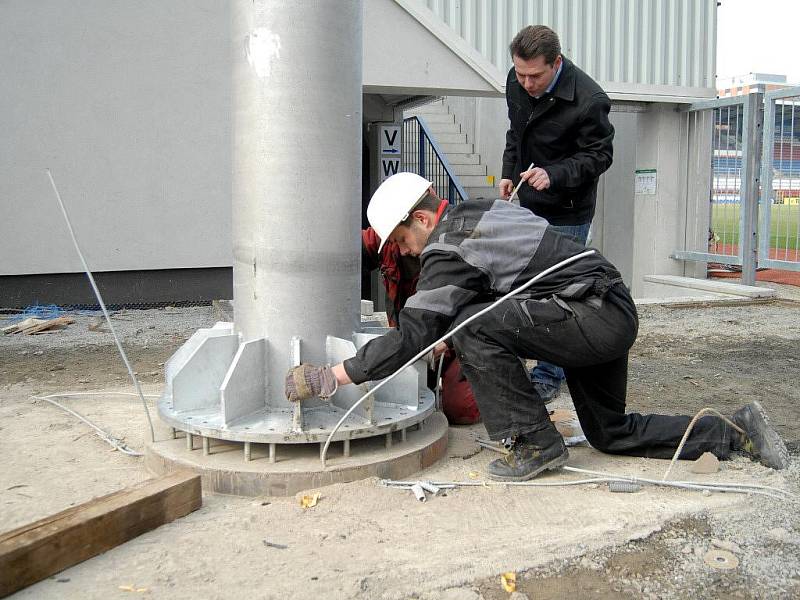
{"x":393,"y":201}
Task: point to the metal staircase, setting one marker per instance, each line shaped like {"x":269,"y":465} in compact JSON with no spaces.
{"x":465,"y":163}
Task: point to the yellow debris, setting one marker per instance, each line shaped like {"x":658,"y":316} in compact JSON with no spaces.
{"x":509,"y":581}
{"x":309,"y":501}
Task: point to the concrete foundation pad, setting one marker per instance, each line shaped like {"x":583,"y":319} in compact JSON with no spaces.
{"x":298,"y":466}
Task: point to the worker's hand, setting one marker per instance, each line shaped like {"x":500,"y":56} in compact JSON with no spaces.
{"x":308,"y":381}
{"x":506,"y":187}
{"x":537,"y":178}
{"x":439,"y":349}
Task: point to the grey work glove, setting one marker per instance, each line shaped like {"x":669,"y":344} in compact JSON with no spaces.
{"x":307,"y":381}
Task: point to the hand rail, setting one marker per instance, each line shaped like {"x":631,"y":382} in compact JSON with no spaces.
{"x":423,"y":155}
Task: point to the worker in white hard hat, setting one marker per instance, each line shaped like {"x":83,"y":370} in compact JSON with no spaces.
{"x":580,"y":316}
{"x":399,"y":275}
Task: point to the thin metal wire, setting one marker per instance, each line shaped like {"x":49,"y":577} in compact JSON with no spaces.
{"x":104,"y":435}
{"x":102,"y":305}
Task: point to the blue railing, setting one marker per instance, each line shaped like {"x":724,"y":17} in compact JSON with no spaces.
{"x":422,"y":155}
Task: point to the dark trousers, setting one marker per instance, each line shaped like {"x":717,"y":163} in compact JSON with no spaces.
{"x":590,"y":339}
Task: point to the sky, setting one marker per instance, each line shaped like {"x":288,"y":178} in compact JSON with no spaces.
{"x":761,"y":36}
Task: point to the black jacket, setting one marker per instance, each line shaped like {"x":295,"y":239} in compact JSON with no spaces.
{"x":566,"y":132}
{"x":480,"y":250}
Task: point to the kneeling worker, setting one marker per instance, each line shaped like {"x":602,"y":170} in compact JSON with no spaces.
{"x":580,"y":316}
{"x":400,"y":273}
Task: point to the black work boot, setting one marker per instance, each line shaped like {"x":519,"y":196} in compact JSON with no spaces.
{"x":526,"y":459}
{"x":760,"y":439}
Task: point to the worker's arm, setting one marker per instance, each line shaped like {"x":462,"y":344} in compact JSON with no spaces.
{"x":447,"y":284}
{"x":510,"y":154}
{"x":593,"y":137}
{"x":370,"y":258}
{"x":509,"y":164}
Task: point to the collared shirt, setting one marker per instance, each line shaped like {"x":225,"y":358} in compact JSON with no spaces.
{"x":554,"y":82}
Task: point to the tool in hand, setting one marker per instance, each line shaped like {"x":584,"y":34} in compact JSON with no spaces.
{"x":521,"y":181}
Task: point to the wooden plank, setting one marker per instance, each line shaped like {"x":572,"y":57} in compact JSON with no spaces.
{"x":60,"y":322}
{"x":29,"y":322}
{"x":40,"y":549}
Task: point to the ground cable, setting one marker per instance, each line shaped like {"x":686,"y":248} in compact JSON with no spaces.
{"x":102,"y":306}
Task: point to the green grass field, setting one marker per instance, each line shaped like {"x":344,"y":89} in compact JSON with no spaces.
{"x":784,"y":224}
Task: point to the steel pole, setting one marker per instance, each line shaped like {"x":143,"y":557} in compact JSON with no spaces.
{"x":296,"y":176}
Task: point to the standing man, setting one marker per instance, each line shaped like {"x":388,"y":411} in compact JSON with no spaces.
{"x":559,"y":122}
{"x":580,"y":315}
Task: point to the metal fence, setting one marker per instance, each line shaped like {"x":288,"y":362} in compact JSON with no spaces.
{"x":422,"y":155}
{"x":779,"y":229}
{"x":726,"y":205}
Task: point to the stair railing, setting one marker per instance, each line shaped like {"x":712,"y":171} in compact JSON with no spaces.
{"x":423,"y":155}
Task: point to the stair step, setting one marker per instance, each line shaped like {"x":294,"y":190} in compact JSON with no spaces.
{"x":455,"y":148}
{"x":460,"y":158}
{"x":438,"y":128}
{"x":432,"y":107}
{"x":489,"y":193}
{"x":439,"y":117}
{"x":451,"y":138}
{"x":461,"y":170}
{"x":473,"y":181}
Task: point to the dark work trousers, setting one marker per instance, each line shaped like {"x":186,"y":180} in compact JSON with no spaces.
{"x":590,"y":338}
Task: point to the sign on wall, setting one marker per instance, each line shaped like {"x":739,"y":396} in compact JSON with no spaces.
{"x":646,"y":182}
{"x":389,"y":151}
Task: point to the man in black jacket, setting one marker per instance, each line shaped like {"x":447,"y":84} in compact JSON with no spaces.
{"x":559,"y":124}
{"x":580,"y":316}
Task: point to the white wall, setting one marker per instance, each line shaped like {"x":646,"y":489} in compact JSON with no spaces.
{"x":127,"y":103}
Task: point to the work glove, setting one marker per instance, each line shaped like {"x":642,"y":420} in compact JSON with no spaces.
{"x":307,"y":381}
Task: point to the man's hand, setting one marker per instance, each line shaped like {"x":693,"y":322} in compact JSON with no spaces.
{"x":308,"y":381}
{"x":537,"y":178}
{"x":506,"y":187}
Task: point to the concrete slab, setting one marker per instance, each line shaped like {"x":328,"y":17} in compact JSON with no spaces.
{"x":711,"y":285}
{"x":298,"y":466}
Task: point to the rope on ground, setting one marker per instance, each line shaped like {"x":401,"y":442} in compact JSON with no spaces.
{"x":114,"y":441}
{"x":685,"y":437}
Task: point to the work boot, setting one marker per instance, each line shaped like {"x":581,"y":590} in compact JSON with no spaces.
{"x":546,"y":392}
{"x":526,"y":459}
{"x":760,"y":440}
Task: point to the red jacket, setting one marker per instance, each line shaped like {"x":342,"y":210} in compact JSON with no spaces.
{"x":400,"y":273}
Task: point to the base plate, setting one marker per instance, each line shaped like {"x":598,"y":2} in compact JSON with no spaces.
{"x":298,"y":466}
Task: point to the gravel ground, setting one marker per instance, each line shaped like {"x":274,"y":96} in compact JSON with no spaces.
{"x":649,"y":544}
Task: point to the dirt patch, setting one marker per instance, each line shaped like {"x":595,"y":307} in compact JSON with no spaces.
{"x":364,"y":541}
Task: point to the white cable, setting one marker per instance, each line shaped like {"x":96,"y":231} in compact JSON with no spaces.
{"x":731,"y":488}
{"x":104,"y":435}
{"x":705,"y":485}
{"x":446,"y":336}
{"x":689,"y":427}
{"x":102,"y":305}
{"x":439,"y":383}
{"x":73,"y":394}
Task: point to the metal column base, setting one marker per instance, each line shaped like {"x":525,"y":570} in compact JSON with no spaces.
{"x":298,"y":466}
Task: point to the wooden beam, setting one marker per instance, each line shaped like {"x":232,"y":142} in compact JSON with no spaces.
{"x":40,"y":549}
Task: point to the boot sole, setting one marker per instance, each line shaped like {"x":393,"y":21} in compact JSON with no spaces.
{"x":554,"y":464}
{"x":778,"y":453}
